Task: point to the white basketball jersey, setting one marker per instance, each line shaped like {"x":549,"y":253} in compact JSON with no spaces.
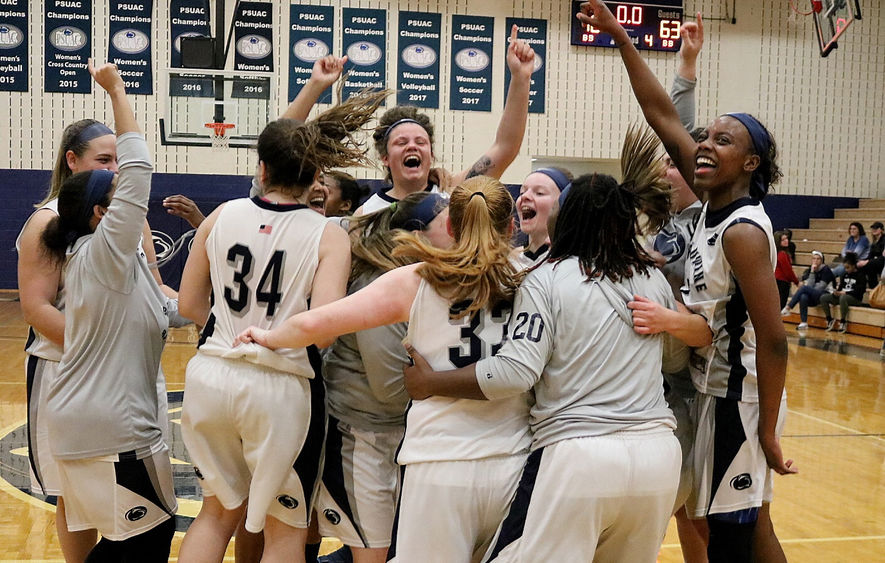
{"x":726,"y":368}
{"x":381,"y":199}
{"x":37,"y":344}
{"x":446,"y":429}
{"x":262,"y":260}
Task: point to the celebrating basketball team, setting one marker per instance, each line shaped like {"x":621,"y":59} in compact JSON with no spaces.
{"x":406,"y":379}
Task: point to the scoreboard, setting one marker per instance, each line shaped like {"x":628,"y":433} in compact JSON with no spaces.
{"x":652,"y":26}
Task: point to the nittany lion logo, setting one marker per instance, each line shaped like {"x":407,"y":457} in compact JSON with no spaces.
{"x":539,"y":62}
{"x":254,"y":47}
{"x":670,"y":244}
{"x":363,"y":53}
{"x":287,"y":502}
{"x":741,"y":482}
{"x":332,"y":516}
{"x":130,"y":41}
{"x":67,"y":38}
{"x":310,"y":49}
{"x":472,"y":59}
{"x":10,"y":36}
{"x":419,"y":56}
{"x":137,"y":513}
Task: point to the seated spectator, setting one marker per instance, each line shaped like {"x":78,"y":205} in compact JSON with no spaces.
{"x":784,"y":273}
{"x":856,"y":243}
{"x":872,"y":266}
{"x":849,"y":292}
{"x":344,"y":193}
{"x":816,"y":281}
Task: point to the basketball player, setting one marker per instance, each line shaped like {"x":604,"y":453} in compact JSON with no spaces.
{"x":740,"y":378}
{"x":461,"y":458}
{"x":85,"y":145}
{"x":253,"y":421}
{"x":602,"y":476}
{"x":364,"y":390}
{"x":118,"y":480}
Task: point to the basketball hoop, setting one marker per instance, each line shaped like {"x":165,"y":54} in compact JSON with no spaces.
{"x":220,"y":136}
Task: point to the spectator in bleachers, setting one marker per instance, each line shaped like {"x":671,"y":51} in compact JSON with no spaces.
{"x":784,"y":273}
{"x":791,"y":246}
{"x":857,"y":243}
{"x":872,"y":266}
{"x":816,"y":280}
{"x":849,"y":292}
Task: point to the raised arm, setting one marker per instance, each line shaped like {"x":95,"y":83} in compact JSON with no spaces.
{"x":656,"y":106}
{"x":385,"y":301}
{"x":511,"y":128}
{"x":746,"y":249}
{"x":325,"y":72}
{"x":683,"y":90}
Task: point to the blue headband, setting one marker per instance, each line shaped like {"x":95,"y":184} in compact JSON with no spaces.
{"x":761,"y":145}
{"x":397,"y":124}
{"x":96,"y":189}
{"x":425,"y":212}
{"x":91,"y":132}
{"x":560,"y":179}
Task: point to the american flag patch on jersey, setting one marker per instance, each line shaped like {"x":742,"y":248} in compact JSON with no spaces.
{"x":265,"y":229}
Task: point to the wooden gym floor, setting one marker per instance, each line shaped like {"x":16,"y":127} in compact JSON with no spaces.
{"x":831,"y":511}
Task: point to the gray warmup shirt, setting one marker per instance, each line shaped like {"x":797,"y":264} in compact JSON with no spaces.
{"x":573,"y":341}
{"x":363,"y":372}
{"x":104,"y":400}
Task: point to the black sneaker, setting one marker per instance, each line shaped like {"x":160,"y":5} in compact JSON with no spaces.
{"x":342,"y":555}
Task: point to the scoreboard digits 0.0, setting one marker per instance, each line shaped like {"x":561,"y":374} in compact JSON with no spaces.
{"x":652,"y":26}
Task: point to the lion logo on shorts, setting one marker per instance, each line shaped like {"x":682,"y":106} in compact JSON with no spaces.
{"x":741,"y":482}
{"x":137,"y":513}
{"x":332,"y":516}
{"x":287,"y":502}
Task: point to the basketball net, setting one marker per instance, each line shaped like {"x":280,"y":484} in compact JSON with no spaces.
{"x":220,"y":135}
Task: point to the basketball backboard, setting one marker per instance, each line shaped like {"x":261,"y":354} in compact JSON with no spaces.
{"x":196,"y":98}
{"x":831,"y":19}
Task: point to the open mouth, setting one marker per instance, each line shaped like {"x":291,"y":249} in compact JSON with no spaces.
{"x":527,"y":213}
{"x":412,"y":161}
{"x":704,"y":163}
{"x":318,"y":202}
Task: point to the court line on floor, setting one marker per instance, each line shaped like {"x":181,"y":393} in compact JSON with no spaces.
{"x":806,"y":540}
{"x":840,"y":426}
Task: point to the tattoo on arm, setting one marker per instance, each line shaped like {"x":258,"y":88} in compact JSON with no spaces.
{"x":480,"y":167}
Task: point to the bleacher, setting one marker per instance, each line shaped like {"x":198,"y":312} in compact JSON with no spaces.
{"x":828,"y":236}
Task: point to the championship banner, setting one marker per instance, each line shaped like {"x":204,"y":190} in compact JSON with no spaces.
{"x":14,"y":46}
{"x":310,"y":39}
{"x":472,"y":47}
{"x":364,"y":41}
{"x":533,"y":32}
{"x":253,"y":36}
{"x":68,"y":45}
{"x":129,"y":44}
{"x":417,"y":70}
{"x":189,"y":18}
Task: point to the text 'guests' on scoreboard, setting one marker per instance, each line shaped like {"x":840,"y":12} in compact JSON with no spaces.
{"x":653,"y":26}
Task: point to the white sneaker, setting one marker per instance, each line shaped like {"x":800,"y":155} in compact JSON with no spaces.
{"x":801,"y":326}
{"x":786,"y":311}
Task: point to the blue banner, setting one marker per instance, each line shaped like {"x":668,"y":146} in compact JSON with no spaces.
{"x":364,"y":41}
{"x":14,"y":46}
{"x":188,"y":18}
{"x":533,"y":32}
{"x":129,"y":44}
{"x":68,"y":45}
{"x":253,"y":36}
{"x":472,"y":47}
{"x":417,"y":70}
{"x":310,"y":39}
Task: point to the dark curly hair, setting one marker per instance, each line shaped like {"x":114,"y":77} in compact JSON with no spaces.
{"x":390,"y":117}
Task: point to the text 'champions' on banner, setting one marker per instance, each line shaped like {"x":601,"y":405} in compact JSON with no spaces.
{"x":417,"y":70}
{"x":68,"y":45}
{"x":253,"y":36}
{"x":472,"y":48}
{"x":129,"y":44}
{"x":14,"y":46}
{"x":533,"y":32}
{"x":311,"y":33}
{"x":188,"y":18}
{"x":364,"y":41}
